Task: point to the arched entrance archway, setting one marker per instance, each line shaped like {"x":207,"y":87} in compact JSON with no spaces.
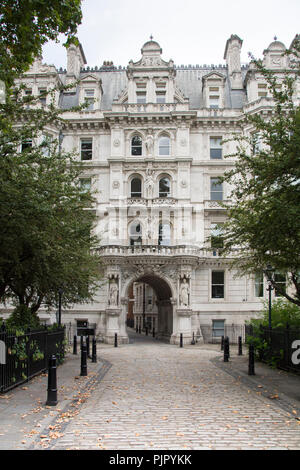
{"x":150,"y":304}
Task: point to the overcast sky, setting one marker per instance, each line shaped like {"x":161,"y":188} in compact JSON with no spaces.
{"x":189,"y":31}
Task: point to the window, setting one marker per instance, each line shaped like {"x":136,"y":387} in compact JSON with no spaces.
{"x":216,"y":236}
{"x":218,"y":328}
{"x":164,"y":187}
{"x":135,"y":234}
{"x":214,"y":97}
{"x":136,"y":146}
{"x":164,"y":234}
{"x":216,"y":190}
{"x":164,"y":145}
{"x":160,"y":97}
{"x":89,"y":98}
{"x":46,"y":145}
{"x":28,"y":92}
{"x":43,"y":96}
{"x":26,"y":145}
{"x":262,"y":89}
{"x":280,"y":280}
{"x":136,"y":187}
{"x":215,"y":148}
{"x":85,"y":184}
{"x":141,"y":97}
{"x":259,"y":284}
{"x":217,"y":284}
{"x":86,"y":149}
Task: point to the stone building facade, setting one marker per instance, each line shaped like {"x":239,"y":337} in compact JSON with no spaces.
{"x":152,"y":143}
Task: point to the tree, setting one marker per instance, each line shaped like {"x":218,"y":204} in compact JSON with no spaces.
{"x":47,"y":220}
{"x":28,"y":24}
{"x":264,"y":215}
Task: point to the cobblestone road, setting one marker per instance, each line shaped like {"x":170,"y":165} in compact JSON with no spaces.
{"x":157,"y":396}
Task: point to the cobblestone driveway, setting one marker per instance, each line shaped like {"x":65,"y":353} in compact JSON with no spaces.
{"x":157,"y":396}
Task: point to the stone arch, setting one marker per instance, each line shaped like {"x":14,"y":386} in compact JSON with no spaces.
{"x":165,"y":292}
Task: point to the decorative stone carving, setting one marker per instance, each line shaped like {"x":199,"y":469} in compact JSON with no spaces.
{"x":149,"y":145}
{"x":149,"y":183}
{"x":184,"y":294}
{"x":113,"y":291}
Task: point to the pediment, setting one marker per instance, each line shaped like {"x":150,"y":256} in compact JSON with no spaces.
{"x":213,"y":76}
{"x":89,"y":78}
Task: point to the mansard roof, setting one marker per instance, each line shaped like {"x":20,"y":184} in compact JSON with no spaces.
{"x":188,"y":80}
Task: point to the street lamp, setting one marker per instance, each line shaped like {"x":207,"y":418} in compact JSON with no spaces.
{"x":60,"y":292}
{"x":269,"y":272}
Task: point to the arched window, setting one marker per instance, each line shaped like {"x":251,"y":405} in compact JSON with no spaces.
{"x":164,"y":145}
{"x":136,"y":187}
{"x":135,"y":233}
{"x":164,"y":187}
{"x":136,"y":145}
{"x":164,"y":234}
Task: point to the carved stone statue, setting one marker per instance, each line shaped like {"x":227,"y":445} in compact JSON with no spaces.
{"x":184,"y":293}
{"x":113,"y":293}
{"x":149,"y":183}
{"x":149,"y":145}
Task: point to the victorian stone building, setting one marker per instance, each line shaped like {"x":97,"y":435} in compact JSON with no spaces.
{"x":152,"y":143}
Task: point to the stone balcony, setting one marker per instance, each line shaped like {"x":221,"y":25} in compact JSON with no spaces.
{"x":159,"y":250}
{"x":157,"y":201}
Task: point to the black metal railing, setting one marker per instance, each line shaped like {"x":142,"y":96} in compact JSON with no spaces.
{"x":277,"y":346}
{"x":24,"y":355}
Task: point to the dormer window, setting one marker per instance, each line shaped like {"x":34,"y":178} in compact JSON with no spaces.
{"x":89,"y":97}
{"x":262,"y":90}
{"x":214,"y":97}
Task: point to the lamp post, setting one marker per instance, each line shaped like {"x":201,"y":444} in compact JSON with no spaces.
{"x":269,"y":272}
{"x":60,"y":291}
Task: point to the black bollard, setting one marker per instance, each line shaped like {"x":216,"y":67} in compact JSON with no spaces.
{"x":137,"y":328}
{"x":81,"y":342}
{"x":193,"y":340}
{"x":83,"y":371}
{"x":75,"y":344}
{"x":153,"y":332}
{"x":146,"y":330}
{"x":116,"y":340}
{"x":240,"y":346}
{"x":94,"y":350}
{"x":251,"y":360}
{"x":52,"y":382}
{"x":140,"y":329}
{"x":181,"y":340}
{"x":226,"y":349}
{"x":222,"y":343}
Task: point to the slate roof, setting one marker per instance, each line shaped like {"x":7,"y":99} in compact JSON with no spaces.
{"x":188,"y":81}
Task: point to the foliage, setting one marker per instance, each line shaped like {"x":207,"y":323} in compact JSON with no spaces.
{"x":28,"y":24}
{"x":46,"y":239}
{"x":264,"y":215}
{"x":21,"y":319}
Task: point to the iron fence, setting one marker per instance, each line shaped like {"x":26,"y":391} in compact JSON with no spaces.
{"x":233,"y":331}
{"x":27,"y":354}
{"x":277,"y":346}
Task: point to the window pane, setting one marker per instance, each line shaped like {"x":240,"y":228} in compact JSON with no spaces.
{"x":218,"y":328}
{"x":136,"y":187}
{"x":280,"y":280}
{"x":217,"y":285}
{"x":85,"y":184}
{"x":259,"y":285}
{"x":216,"y":190}
{"x":164,"y":187}
{"x":215,"y":147}
{"x":164,"y":146}
{"x":164,"y":236}
{"x":86,"y":149}
{"x":136,"y":146}
{"x":27,"y":144}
